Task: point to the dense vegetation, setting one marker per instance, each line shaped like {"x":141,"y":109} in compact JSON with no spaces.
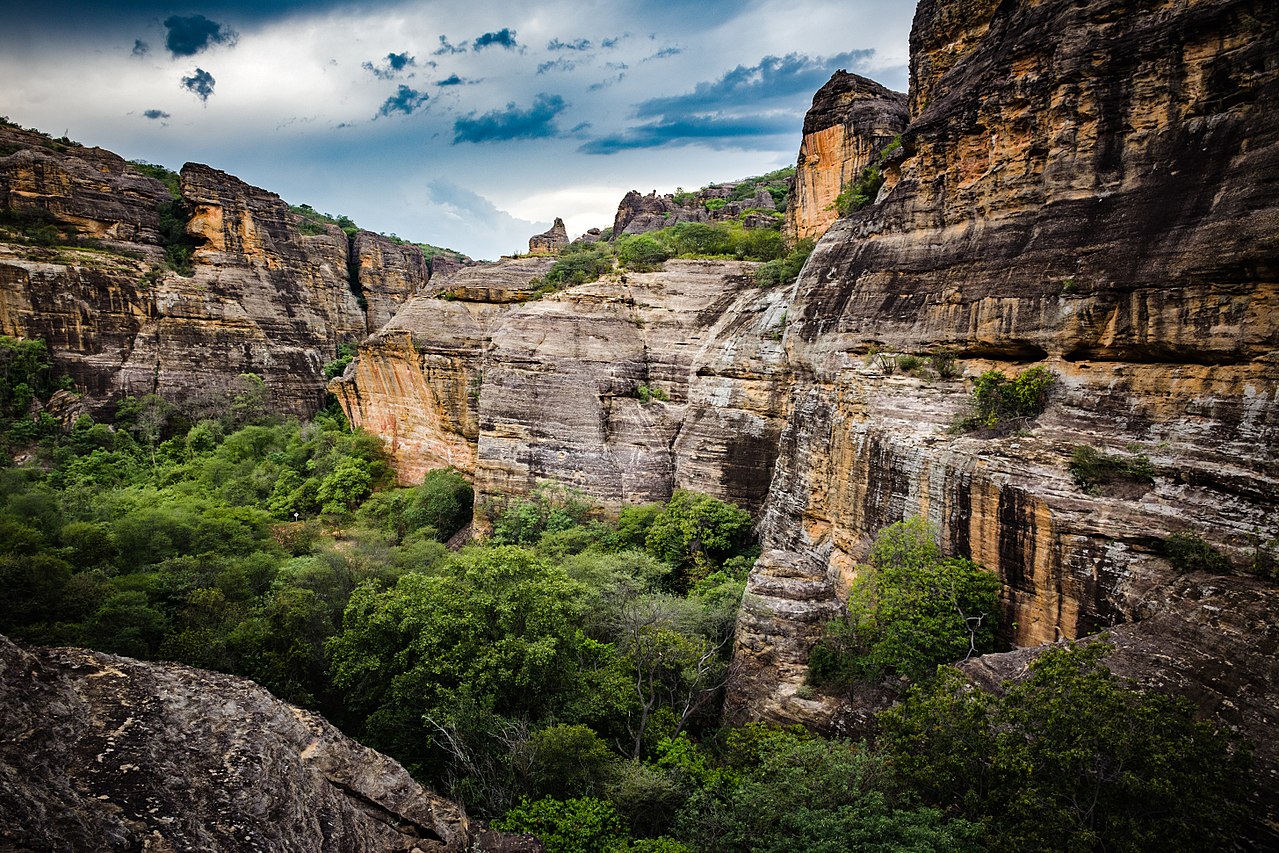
{"x":582,"y":262}
{"x":563,"y":673}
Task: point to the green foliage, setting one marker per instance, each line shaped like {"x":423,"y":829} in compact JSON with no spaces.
{"x":335,"y":368}
{"x":550,"y":508}
{"x":581,"y":825}
{"x":440,"y":506}
{"x":865,"y":188}
{"x":172,"y":180}
{"x":695,"y":531}
{"x":784,"y":791}
{"x":649,"y":393}
{"x":641,"y":252}
{"x":784,"y":270}
{"x":1091,"y":469}
{"x":908,"y":611}
{"x":999,"y":403}
{"x":1072,"y":759}
{"x":1188,"y":552}
{"x":26,"y":375}
{"x":311,"y":222}
{"x":714,"y":204}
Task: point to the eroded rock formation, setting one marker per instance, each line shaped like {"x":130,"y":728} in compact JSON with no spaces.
{"x":851,"y":122}
{"x":107,"y":753}
{"x":571,"y":387}
{"x":549,"y":242}
{"x":262,"y":297}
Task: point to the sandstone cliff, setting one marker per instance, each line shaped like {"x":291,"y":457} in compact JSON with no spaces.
{"x":549,"y":242}
{"x":83,"y":267}
{"x":1089,"y":187}
{"x":515,"y":392}
{"x":107,"y":753}
{"x":851,"y":122}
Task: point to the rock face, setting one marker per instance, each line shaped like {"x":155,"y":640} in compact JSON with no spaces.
{"x":263,"y":297}
{"x":1088,"y":187}
{"x":549,"y":242}
{"x":571,"y":387}
{"x":637,"y":214}
{"x":851,"y":121}
{"x":107,"y":753}
{"x":387,"y":273}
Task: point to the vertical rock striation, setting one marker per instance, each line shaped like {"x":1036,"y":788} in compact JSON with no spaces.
{"x":1090,"y":187}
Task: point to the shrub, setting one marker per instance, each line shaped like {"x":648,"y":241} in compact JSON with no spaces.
{"x":641,"y":253}
{"x":999,"y":402}
{"x":335,"y":368}
{"x":1073,"y":758}
{"x":784,"y":270}
{"x":1190,"y":553}
{"x":584,"y":825}
{"x":908,"y":611}
{"x":1091,"y":468}
{"x":649,"y":393}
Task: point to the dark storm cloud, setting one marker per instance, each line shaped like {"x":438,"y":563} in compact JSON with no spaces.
{"x":193,"y":33}
{"x":391,"y":66}
{"x":718,"y":132}
{"x":746,"y":104}
{"x":200,"y":84}
{"x":447,"y":49}
{"x":157,"y":114}
{"x":405,"y":100}
{"x":536,"y":122}
{"x":560,"y":64}
{"x":578,"y":44}
{"x":454,"y":80}
{"x":140,"y":48}
{"x":773,"y":78}
{"x":611,"y":42}
{"x":504,"y":37}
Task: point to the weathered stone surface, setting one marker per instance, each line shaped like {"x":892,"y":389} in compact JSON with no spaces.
{"x":90,"y":189}
{"x":1086,"y":186}
{"x":107,"y":753}
{"x":387,"y":274}
{"x":519,"y":393}
{"x":549,"y":242}
{"x":638,"y":213}
{"x":263,"y":298}
{"x":851,"y":121}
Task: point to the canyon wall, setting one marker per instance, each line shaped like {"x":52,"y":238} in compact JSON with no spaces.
{"x":625,"y":388}
{"x":83,"y":267}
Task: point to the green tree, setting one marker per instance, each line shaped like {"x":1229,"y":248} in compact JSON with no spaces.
{"x":580,"y":825}
{"x":1072,"y":758}
{"x":694,"y":531}
{"x":908,"y":610}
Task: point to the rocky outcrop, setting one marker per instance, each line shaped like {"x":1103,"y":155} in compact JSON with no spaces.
{"x":851,"y":122}
{"x":637,"y":214}
{"x":90,"y":190}
{"x":106,"y":753}
{"x":387,"y":273}
{"x":549,"y":242}
{"x":261,"y":297}
{"x":625,"y":388}
{"x":1089,"y":187}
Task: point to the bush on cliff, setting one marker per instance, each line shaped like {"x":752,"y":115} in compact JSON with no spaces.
{"x":1001,"y":404}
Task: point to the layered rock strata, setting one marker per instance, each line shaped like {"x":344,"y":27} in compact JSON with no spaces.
{"x":107,"y":753}
{"x":637,"y":213}
{"x":261,"y":298}
{"x":549,"y":242}
{"x":851,"y":122}
{"x":1088,"y":187}
{"x":625,"y":388}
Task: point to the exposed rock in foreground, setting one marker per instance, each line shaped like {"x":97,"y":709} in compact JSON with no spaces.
{"x":100,"y":752}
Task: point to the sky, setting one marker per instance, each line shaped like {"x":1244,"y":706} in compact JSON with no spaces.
{"x":469,"y":124}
